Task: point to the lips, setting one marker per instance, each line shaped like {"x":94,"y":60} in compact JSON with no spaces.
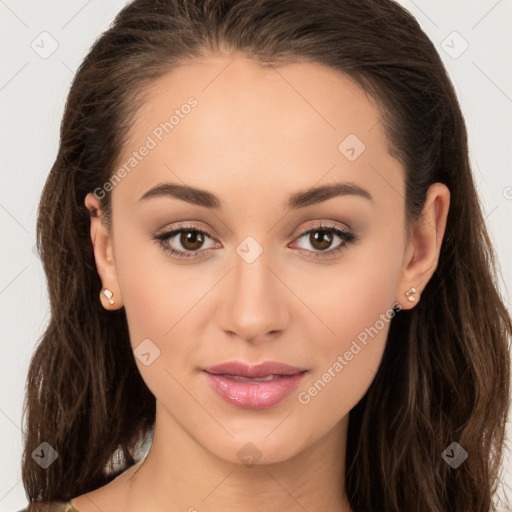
{"x":241,"y":369}
{"x":257,"y":386}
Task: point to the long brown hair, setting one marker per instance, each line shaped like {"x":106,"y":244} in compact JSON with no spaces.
{"x":444,"y":376}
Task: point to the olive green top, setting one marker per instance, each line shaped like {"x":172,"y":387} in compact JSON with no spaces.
{"x":54,"y":506}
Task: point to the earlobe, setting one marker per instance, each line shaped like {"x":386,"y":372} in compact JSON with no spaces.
{"x":426,"y":237}
{"x":410,"y":295}
{"x":101,"y":240}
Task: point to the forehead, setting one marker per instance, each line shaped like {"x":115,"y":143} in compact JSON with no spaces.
{"x":236,"y":92}
{"x":276,"y":126}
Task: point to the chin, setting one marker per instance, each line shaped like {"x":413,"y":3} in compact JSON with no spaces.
{"x":256,"y":450}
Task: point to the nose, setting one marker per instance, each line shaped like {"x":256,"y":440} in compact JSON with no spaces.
{"x":254,"y":299}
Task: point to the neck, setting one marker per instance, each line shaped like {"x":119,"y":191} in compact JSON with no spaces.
{"x":180,"y":474}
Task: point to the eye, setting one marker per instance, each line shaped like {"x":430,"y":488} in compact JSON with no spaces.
{"x":190,"y":239}
{"x":321,"y":238}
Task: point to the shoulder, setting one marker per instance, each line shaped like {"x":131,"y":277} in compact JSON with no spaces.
{"x":54,"y":506}
{"x":111,"y":496}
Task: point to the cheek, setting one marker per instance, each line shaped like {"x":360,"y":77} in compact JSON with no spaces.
{"x":160,"y":304}
{"x":156,"y":296}
{"x":356,"y":304}
{"x":352,"y":295}
{"x":343,"y":369}
{"x":156,"y":291}
{"x":164,"y":303}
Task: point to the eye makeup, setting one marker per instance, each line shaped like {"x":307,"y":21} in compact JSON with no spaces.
{"x":200,"y":235}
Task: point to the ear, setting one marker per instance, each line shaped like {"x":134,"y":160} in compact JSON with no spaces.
{"x":424,"y":246}
{"x":103,"y":254}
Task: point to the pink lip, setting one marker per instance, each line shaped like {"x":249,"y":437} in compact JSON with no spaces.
{"x":236,"y":382}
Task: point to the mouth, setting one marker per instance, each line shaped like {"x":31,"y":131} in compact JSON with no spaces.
{"x":258,"y":386}
{"x":240,"y":378}
{"x":265,"y":369}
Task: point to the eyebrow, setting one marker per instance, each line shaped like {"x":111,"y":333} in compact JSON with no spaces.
{"x":297,"y":200}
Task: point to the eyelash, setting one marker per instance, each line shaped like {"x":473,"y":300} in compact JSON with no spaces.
{"x":346,"y":236}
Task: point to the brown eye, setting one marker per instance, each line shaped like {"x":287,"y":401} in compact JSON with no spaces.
{"x":191,"y":240}
{"x":320,"y":239}
{"x":184,"y":242}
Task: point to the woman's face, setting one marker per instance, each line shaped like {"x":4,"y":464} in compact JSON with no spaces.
{"x":264,"y":282}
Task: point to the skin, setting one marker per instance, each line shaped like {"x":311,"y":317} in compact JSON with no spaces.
{"x":256,"y":137}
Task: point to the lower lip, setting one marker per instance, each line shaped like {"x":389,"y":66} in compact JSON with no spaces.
{"x":254,"y":394}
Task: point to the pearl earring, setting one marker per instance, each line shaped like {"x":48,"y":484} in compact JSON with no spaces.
{"x":108,"y":294}
{"x":410,"y":294}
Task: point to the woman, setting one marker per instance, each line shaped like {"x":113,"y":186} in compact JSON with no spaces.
{"x":265,"y":252}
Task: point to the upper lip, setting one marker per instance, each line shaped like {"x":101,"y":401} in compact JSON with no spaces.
{"x":253,"y":370}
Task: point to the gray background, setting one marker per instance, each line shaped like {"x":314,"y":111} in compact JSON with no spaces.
{"x":33,"y":86}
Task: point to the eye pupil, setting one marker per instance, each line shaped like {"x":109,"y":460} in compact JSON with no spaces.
{"x":192,"y":238}
{"x":325,"y":239}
